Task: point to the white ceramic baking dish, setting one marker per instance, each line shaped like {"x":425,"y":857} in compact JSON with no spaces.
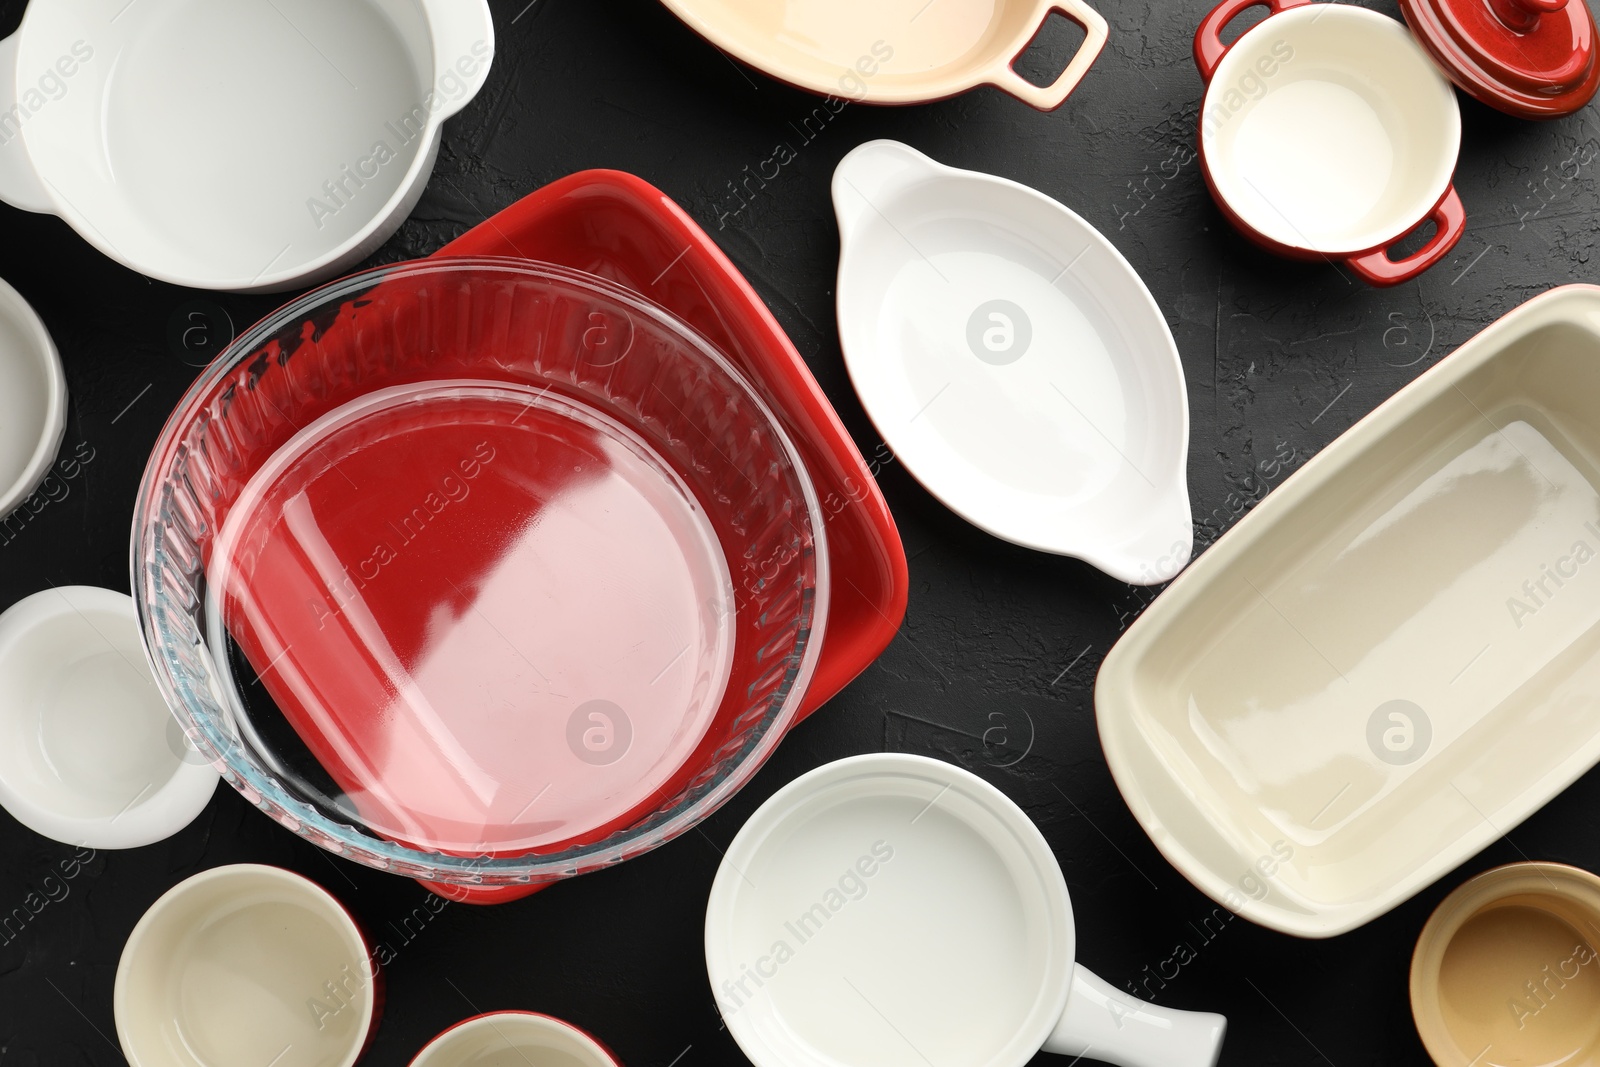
{"x":253,"y":145}
{"x":1395,"y":657}
{"x":1014,"y":361}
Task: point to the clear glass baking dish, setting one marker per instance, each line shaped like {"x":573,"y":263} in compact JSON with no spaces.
{"x":481,"y":571}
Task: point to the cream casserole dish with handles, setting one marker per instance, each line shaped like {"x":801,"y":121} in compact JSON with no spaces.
{"x":896,"y":51}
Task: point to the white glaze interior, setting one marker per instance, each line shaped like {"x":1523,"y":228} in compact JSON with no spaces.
{"x":33,"y":401}
{"x":960,"y":939}
{"x":246,"y":145}
{"x":1074,"y":441}
{"x":891,"y":51}
{"x":89,"y":753}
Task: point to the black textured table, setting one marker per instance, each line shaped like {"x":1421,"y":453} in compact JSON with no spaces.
{"x":995,"y":664}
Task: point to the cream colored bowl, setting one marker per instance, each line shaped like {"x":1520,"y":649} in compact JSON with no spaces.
{"x":1506,"y":973}
{"x":241,"y":965}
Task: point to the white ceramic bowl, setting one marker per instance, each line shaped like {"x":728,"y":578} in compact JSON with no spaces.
{"x":244,"y":965}
{"x":89,"y":753}
{"x":33,"y":400}
{"x":250,"y":145}
{"x":514,"y":1039}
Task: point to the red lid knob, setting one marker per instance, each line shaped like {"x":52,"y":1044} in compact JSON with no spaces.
{"x":1523,"y":15}
{"x":1534,"y":58}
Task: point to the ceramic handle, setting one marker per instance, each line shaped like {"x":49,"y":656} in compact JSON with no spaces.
{"x":1161,"y":547}
{"x":870,"y":177}
{"x":1523,"y":15}
{"x":463,"y":47}
{"x":1103,"y":1024}
{"x":1450,"y":221}
{"x":1050,"y":97}
{"x":1209,"y":48}
{"x":19,"y":181}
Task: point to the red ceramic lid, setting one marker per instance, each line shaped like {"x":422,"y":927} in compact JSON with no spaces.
{"x":1530,"y":58}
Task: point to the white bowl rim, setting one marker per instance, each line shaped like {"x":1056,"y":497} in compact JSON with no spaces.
{"x":42,"y":350}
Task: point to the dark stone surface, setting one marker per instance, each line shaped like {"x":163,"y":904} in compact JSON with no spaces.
{"x":1280,"y":358}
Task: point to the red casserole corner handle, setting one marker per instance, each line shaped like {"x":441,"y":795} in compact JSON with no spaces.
{"x":1450,"y":220}
{"x":1208,"y":44}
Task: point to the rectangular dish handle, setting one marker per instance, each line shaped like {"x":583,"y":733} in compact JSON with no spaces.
{"x":1049,"y":97}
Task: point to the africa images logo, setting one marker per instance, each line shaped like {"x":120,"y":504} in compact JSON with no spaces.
{"x":1537,"y":592}
{"x":999,"y":332}
{"x":48,"y":86}
{"x":391,"y":540}
{"x":340,"y":190}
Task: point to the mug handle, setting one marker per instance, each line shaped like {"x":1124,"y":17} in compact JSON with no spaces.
{"x":20,"y":185}
{"x":1450,"y":221}
{"x":1209,"y":47}
{"x":1107,"y":1025}
{"x":1050,"y":97}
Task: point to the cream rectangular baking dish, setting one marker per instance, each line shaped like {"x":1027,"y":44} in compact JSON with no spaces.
{"x":1394,"y":658}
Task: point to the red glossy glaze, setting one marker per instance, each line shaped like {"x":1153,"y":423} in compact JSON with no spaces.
{"x":1530,"y":58}
{"x":1372,"y":265}
{"x":502,"y":487}
{"x":1450,"y":221}
{"x":622,"y":228}
{"x":312,"y":638}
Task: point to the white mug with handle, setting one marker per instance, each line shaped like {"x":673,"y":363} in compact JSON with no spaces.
{"x":896,"y":911}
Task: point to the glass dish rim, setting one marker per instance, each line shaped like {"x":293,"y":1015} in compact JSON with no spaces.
{"x":267,"y":793}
